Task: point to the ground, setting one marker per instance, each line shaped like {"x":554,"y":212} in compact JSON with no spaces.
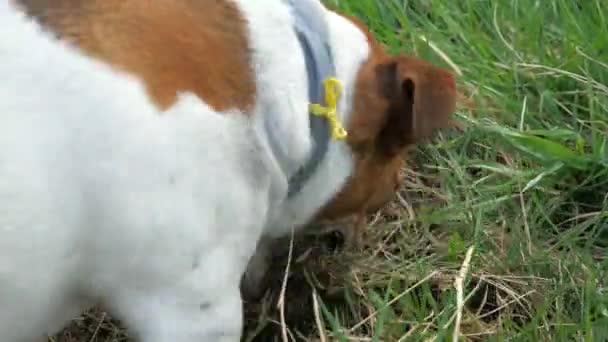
{"x":513,"y":205}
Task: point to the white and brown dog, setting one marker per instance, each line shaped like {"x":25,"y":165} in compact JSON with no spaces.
{"x":147,"y":145}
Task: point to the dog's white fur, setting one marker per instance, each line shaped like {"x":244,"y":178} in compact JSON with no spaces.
{"x":105,"y":199}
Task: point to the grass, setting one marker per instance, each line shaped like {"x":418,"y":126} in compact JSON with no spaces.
{"x":523,"y":186}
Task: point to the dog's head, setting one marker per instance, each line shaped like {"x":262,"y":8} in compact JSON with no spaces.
{"x":399,"y":101}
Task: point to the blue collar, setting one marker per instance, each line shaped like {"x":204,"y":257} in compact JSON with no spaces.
{"x":312,"y":32}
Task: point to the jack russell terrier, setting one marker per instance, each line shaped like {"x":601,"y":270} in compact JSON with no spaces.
{"x":147,"y":146}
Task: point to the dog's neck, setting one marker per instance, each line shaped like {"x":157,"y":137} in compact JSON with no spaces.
{"x":349,"y":49}
{"x":313,"y":35}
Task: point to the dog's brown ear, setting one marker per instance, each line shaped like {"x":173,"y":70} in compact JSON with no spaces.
{"x":421,"y":98}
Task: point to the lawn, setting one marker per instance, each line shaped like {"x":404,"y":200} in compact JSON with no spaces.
{"x":501,"y":230}
{"x":522,"y":187}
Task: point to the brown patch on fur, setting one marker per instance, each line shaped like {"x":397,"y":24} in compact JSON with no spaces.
{"x":199,"y":46}
{"x":399,"y":101}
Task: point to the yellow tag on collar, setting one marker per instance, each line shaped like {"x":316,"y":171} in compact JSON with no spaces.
{"x":333,"y":90}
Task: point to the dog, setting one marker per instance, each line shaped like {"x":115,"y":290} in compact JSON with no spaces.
{"x":147,"y":146}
